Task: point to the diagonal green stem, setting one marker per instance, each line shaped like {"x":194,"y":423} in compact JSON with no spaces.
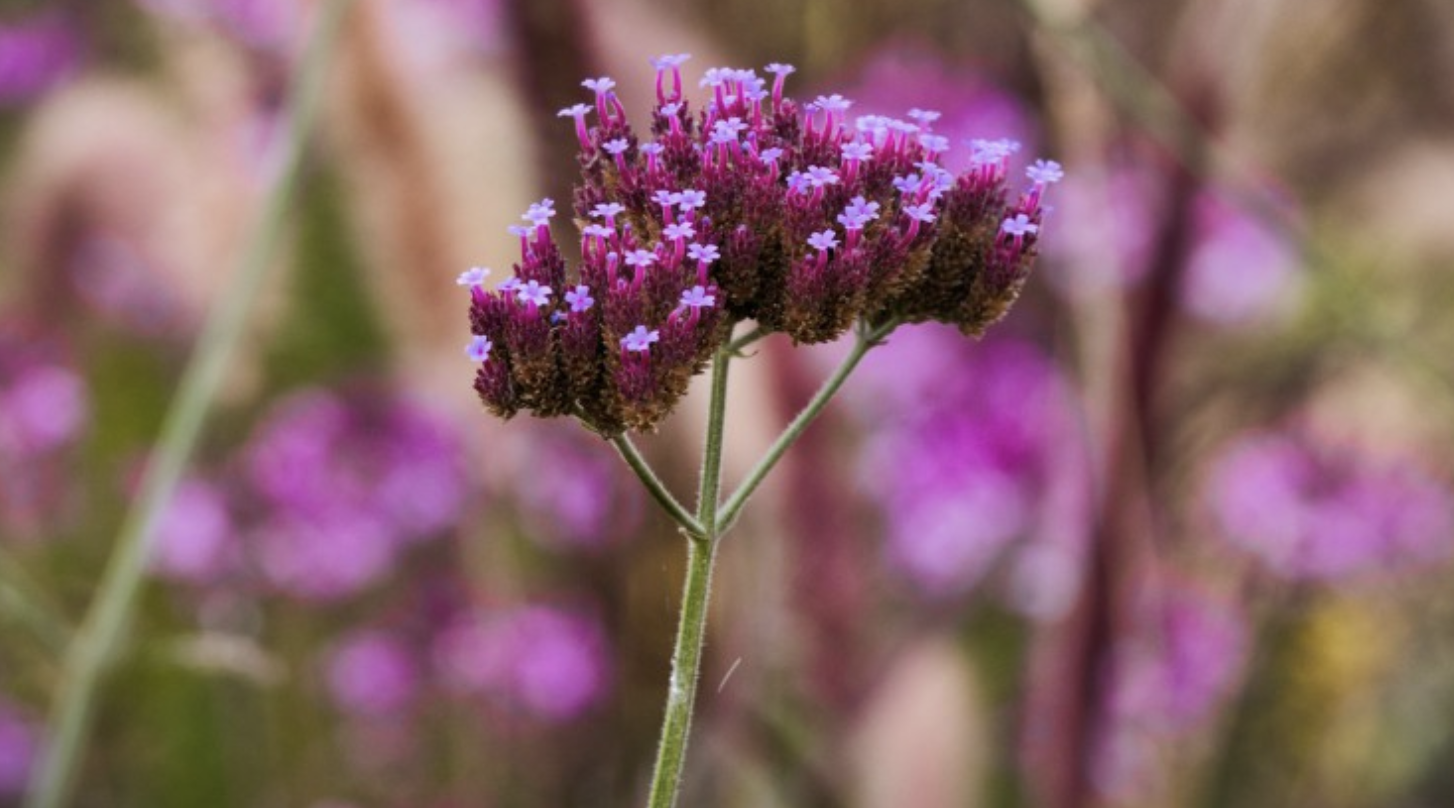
{"x":865,"y":340}
{"x":92,"y":653}
{"x":656,"y":487}
{"x":686,"y":658}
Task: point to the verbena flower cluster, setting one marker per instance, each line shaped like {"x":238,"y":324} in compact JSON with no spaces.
{"x":753,"y":209}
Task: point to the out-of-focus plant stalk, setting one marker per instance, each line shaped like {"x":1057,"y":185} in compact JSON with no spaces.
{"x":95,"y":647}
{"x":713,"y":518}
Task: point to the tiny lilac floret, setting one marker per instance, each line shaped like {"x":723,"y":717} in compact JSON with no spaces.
{"x":692,"y":199}
{"x":1019,"y":225}
{"x":510,"y":284}
{"x":670,"y":60}
{"x":857,"y":151}
{"x":533,"y":292}
{"x":640,"y":258}
{"x":574,"y":111}
{"x":780,"y":69}
{"x":923,"y":213}
{"x":616,"y":146}
{"x":520,"y":230}
{"x":1045,"y":172}
{"x":934,"y":143}
{"x":479,"y":349}
{"x":670,"y":110}
{"x":598,"y":230}
{"x":640,"y":340}
{"x":705,"y":253}
{"x":474,"y":276}
{"x":652,"y":148}
{"x":579,"y":298}
{"x":832,"y":103}
{"x":540,"y":213}
{"x":599,"y":86}
{"x":679,"y":230}
{"x":924,"y":116}
{"x":697,"y":297}
{"x":608,"y":210}
{"x":770,"y":155}
{"x":823,"y":241}
{"x":819,"y":176}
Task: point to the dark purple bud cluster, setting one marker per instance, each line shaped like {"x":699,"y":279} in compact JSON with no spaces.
{"x":748,"y":210}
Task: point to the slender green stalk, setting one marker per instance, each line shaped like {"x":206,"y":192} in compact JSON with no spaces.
{"x":865,"y":340}
{"x":656,"y":487}
{"x":92,"y":653}
{"x":686,"y":662}
{"x":686,"y":658}
{"x":735,"y":346}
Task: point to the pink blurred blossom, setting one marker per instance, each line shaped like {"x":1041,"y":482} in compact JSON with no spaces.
{"x":371,"y":674}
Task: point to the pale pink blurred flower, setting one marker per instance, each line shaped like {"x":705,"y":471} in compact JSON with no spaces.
{"x":371,"y":674}
{"x":1241,"y":270}
{"x":1314,"y":512}
{"x":545,"y":661}
{"x":197,"y":541}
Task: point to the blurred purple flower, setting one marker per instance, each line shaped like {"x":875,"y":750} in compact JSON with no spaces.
{"x":583,"y":505}
{"x":43,"y":412}
{"x":549,"y":662}
{"x":1311,"y":512}
{"x":348,"y":483}
{"x":969,"y":447}
{"x":196,"y":541}
{"x":371,"y":675}
{"x":1171,"y":677}
{"x":1107,"y":221}
{"x":1241,"y":269}
{"x":262,"y":24}
{"x":19,"y":744}
{"x":36,"y":55}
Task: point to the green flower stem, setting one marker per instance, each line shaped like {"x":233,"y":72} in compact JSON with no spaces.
{"x":686,"y":657}
{"x":97,"y":643}
{"x":866,"y":339}
{"x":656,"y":487}
{"x":735,"y":346}
{"x":686,"y":663}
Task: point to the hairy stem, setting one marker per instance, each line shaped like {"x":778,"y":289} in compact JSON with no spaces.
{"x":96,"y":645}
{"x":656,"y":487}
{"x":686,"y":658}
{"x":866,"y":338}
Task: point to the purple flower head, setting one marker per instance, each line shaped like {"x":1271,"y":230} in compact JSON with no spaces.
{"x":823,"y":241}
{"x":1310,"y":511}
{"x":197,"y":541}
{"x":341,"y":485}
{"x":371,"y":675}
{"x":769,"y":182}
{"x":1241,"y":270}
{"x":549,"y":662}
{"x":533,"y":293}
{"x":1045,"y":172}
{"x":640,"y":340}
{"x":706,"y":253}
{"x":37,"y":54}
{"x":580,"y":298}
{"x":698,"y":298}
{"x":474,"y":276}
{"x":1019,"y":226}
{"x":479,"y":348}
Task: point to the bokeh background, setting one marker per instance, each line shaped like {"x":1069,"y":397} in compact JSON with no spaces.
{"x":1176,"y":533}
